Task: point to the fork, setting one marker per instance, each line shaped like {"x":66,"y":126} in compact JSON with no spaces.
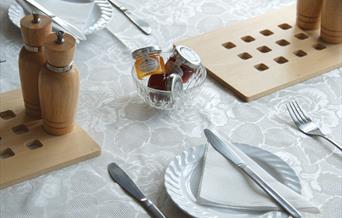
{"x":305,"y":124}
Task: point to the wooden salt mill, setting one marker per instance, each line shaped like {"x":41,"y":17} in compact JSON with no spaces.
{"x":309,"y":13}
{"x":59,"y":84}
{"x":331,"y":26}
{"x":34,"y":29}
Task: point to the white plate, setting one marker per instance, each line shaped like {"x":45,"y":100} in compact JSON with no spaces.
{"x":97,"y":20}
{"x":183,"y":176}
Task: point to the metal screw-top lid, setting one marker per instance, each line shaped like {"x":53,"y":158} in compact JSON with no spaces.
{"x":187,"y":56}
{"x":60,"y":37}
{"x":174,"y":83}
{"x":36,"y":18}
{"x":146,"y":50}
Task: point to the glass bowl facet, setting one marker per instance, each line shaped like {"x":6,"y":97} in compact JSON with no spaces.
{"x":167,"y":100}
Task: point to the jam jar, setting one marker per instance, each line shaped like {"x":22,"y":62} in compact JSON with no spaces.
{"x":183,"y":61}
{"x":148,"y":61}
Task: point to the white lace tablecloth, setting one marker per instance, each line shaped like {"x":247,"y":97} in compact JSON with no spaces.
{"x":143,"y":140}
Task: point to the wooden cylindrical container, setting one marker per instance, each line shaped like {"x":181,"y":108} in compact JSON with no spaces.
{"x":59,"y":84}
{"x":331,"y":26}
{"x":309,"y":13}
{"x":34,"y":29}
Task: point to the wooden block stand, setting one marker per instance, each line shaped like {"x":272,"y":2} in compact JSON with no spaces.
{"x":27,"y":151}
{"x":261,"y":55}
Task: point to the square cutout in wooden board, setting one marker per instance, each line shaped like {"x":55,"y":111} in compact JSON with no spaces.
{"x":261,"y":55}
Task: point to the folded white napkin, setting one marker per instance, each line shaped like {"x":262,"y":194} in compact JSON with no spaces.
{"x":224,"y":185}
{"x":75,"y":12}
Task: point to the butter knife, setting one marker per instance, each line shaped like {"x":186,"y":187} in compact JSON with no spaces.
{"x":68,"y":27}
{"x":141,"y":24}
{"x":120,"y":177}
{"x":235,"y":159}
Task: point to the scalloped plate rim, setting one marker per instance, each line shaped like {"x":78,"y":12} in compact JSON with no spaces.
{"x":104,"y":18}
{"x":296,"y":186}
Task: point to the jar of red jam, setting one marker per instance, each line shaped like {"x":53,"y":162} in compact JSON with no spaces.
{"x":184,"y":61}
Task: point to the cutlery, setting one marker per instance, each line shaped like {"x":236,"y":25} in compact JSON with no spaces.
{"x":305,"y":124}
{"x":120,"y":177}
{"x":68,"y":27}
{"x":141,"y":24}
{"x":235,"y":159}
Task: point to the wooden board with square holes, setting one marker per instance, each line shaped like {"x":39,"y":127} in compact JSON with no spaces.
{"x":261,"y":55}
{"x":27,"y":151}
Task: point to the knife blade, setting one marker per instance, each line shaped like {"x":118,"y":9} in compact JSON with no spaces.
{"x":68,"y":27}
{"x":141,"y":24}
{"x":120,"y":177}
{"x":226,"y":151}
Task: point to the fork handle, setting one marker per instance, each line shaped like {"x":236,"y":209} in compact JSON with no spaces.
{"x":332,"y":142}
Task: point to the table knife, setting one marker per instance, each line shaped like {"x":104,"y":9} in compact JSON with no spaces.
{"x":235,"y":159}
{"x":120,"y":177}
{"x":68,"y":27}
{"x":141,"y":24}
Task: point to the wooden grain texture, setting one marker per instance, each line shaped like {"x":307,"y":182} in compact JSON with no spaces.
{"x":56,"y":151}
{"x":34,"y":34}
{"x":30,"y":63}
{"x":60,"y":55}
{"x":59,"y":91}
{"x":309,"y":14}
{"x":331,"y":27}
{"x":237,"y":56}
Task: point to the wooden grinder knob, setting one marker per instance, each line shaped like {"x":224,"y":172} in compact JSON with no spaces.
{"x":59,"y":84}
{"x":34,"y":29}
{"x":60,"y":49}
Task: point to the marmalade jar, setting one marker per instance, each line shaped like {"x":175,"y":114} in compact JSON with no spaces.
{"x":148,"y":61}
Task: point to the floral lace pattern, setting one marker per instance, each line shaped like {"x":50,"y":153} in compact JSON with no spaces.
{"x":143,"y":140}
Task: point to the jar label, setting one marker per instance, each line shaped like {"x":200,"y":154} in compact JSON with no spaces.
{"x":148,"y":65}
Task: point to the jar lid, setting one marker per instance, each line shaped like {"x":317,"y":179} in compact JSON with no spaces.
{"x":174,"y":83}
{"x":187,"y":56}
{"x":144,"y":50}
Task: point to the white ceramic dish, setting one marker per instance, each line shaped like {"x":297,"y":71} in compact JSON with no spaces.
{"x":183,"y":176}
{"x":100,"y":15}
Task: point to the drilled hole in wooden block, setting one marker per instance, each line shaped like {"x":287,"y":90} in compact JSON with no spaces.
{"x":319,"y":46}
{"x":284,"y":26}
{"x":6,"y":115}
{"x":247,"y":38}
{"x":280,"y":60}
{"x":7,"y":153}
{"x":266,"y":32}
{"x":264,"y":49}
{"x":245,"y":56}
{"x":282,"y":42}
{"x":20,"y":129}
{"x":301,"y":36}
{"x":34,"y":144}
{"x":300,"y":53}
{"x":229,"y":45}
{"x":261,"y":67}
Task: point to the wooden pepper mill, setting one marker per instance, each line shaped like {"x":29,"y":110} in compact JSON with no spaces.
{"x":59,"y":84}
{"x":34,"y":29}
{"x":309,"y":13}
{"x":331,"y":26}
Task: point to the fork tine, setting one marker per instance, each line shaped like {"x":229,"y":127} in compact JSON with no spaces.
{"x":306,"y":118}
{"x":292,"y":115}
{"x":295,"y":113}
{"x":298,"y":112}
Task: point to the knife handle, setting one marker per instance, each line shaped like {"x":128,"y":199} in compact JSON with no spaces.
{"x":152,"y":209}
{"x":282,"y":202}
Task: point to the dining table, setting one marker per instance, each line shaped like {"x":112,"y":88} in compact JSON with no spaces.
{"x":143,"y":140}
